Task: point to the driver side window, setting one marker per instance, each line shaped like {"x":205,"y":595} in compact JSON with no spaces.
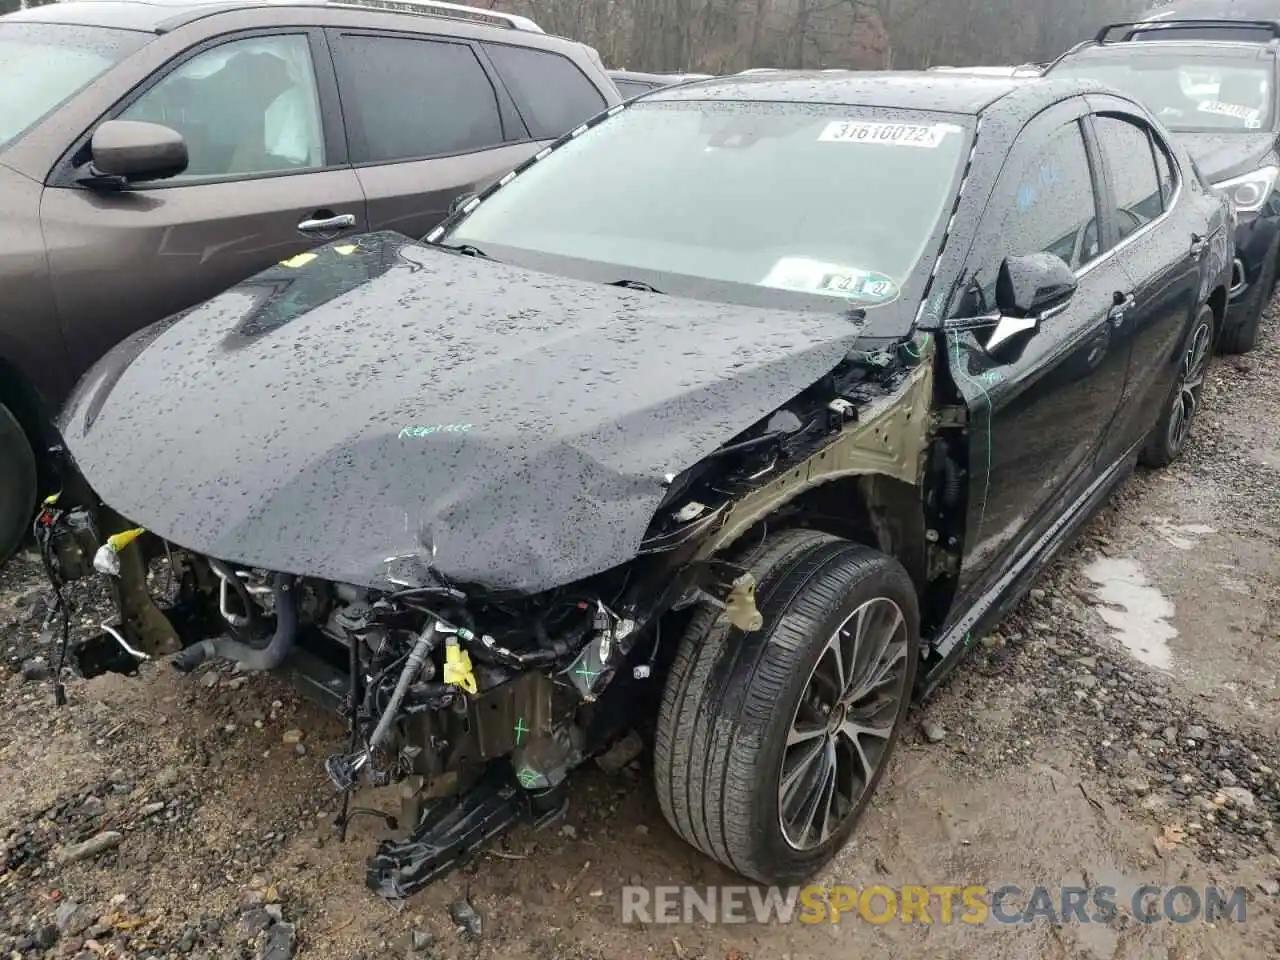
{"x":246,"y":108}
{"x":1053,"y":209}
{"x":1046,"y":206}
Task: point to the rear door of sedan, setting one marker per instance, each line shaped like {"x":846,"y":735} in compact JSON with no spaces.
{"x":1162,"y":246}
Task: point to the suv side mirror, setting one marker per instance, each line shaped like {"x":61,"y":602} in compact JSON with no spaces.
{"x":461,"y":201}
{"x":131,"y":150}
{"x":1026,"y":288}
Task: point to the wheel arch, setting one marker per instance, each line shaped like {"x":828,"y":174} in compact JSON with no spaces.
{"x":28,"y":407}
{"x":874,"y":484}
{"x":874,"y":509}
{"x":1218,"y":304}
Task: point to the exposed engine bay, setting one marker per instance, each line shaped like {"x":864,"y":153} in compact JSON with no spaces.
{"x":483,"y":701}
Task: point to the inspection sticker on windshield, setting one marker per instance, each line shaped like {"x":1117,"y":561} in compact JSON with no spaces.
{"x":891,"y":134}
{"x":831,"y":279}
{"x":1249,"y":115}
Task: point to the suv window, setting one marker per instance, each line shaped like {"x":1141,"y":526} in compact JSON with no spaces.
{"x":552,"y":94}
{"x":245,"y":108}
{"x":1135,"y":185}
{"x":409,"y":99}
{"x":1055,"y":192}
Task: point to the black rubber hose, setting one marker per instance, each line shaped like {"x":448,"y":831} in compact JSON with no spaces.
{"x":954,"y":484}
{"x":250,"y":657}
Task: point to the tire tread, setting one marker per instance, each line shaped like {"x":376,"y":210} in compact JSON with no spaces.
{"x":725,"y":686}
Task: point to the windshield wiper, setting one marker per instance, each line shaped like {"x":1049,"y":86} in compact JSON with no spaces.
{"x":466,"y":249}
{"x":635,"y":285}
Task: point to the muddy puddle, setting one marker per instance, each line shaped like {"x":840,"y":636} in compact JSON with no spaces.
{"x":1137,"y":612}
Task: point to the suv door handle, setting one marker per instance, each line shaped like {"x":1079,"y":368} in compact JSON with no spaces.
{"x":1122,"y":304}
{"x":342,"y":221}
{"x":1199,"y":245}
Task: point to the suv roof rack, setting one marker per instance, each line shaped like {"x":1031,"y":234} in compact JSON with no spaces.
{"x":1270,"y":27}
{"x":452,"y":11}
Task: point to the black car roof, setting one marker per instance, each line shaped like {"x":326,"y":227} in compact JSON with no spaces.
{"x":1224,"y":9}
{"x":935,"y":92}
{"x":1121,"y":50}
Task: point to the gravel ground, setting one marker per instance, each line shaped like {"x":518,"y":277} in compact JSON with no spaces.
{"x":1120,"y":728}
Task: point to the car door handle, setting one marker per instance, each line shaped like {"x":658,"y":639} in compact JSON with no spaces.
{"x":1199,"y":245}
{"x":1122,"y":304}
{"x":342,"y":221}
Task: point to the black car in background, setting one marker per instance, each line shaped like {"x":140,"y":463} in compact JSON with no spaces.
{"x":631,"y":83}
{"x":1221,"y":100}
{"x":613,"y":448}
{"x":1206,"y":20}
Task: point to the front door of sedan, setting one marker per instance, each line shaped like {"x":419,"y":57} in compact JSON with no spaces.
{"x":267,"y":178}
{"x":1163,"y":247}
{"x":1039,"y":403}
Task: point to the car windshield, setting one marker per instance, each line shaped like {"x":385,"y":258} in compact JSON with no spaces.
{"x":833,"y":203}
{"x":49,"y":63}
{"x":1188,"y":94}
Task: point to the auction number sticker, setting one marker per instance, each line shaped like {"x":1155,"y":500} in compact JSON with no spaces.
{"x":1249,"y":115}
{"x":831,"y":279}
{"x":890,"y":134}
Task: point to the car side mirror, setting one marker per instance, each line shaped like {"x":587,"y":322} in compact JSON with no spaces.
{"x":461,"y":201}
{"x":1027,"y":288}
{"x":129,"y":151}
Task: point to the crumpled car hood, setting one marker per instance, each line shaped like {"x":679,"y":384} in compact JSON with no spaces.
{"x":384,"y":399}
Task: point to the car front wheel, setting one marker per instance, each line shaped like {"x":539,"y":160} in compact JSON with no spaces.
{"x":17,"y":484}
{"x":770,"y":744}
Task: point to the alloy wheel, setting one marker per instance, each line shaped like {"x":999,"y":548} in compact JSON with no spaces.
{"x":843,"y":723}
{"x":1190,"y":383}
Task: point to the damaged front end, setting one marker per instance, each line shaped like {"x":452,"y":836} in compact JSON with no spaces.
{"x":480,"y":704}
{"x":532,"y":585}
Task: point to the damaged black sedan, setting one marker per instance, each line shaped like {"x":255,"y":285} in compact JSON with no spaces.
{"x":732,"y":417}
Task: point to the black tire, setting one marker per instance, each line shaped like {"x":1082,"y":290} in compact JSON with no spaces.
{"x":1242,"y":337}
{"x":17,"y":484}
{"x":732,"y":699}
{"x":1169,"y":436}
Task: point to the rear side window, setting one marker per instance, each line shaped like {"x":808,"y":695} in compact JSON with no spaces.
{"x":552,"y":94}
{"x":409,"y":99}
{"x":1135,"y":184}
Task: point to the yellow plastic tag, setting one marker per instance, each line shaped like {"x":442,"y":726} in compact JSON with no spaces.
{"x":301,"y":260}
{"x":347,"y":249}
{"x":457,"y":668}
{"x":121,"y":540}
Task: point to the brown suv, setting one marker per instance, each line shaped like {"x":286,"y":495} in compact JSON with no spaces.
{"x":155,"y":153}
